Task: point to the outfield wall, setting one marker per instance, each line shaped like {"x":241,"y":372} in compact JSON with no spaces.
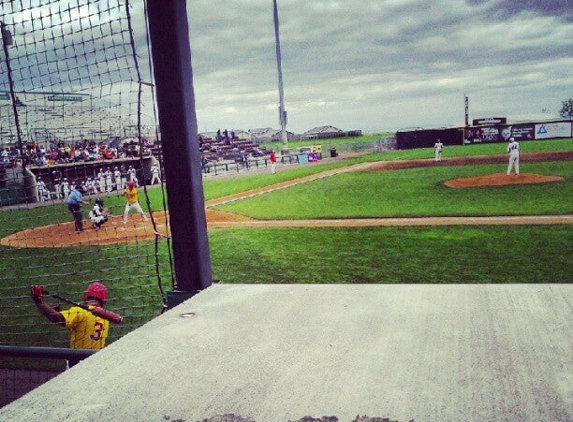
{"x":494,"y":133}
{"x":426,"y":138}
{"x":520,"y":131}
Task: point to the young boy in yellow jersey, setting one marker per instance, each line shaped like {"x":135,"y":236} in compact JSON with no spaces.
{"x":132,"y":202}
{"x":87,"y":331}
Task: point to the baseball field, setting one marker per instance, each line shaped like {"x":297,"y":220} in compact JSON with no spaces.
{"x":376,"y":218}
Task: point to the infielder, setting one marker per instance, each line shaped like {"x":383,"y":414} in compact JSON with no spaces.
{"x":132,"y":202}
{"x":87,"y":330}
{"x":513,"y":151}
{"x":438,"y":147}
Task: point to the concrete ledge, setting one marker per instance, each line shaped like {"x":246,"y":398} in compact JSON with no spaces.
{"x":274,"y":353}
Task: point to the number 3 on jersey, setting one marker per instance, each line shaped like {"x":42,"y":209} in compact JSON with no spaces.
{"x":98,"y":330}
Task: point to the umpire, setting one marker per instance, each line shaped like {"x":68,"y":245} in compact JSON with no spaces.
{"x":75,"y":201}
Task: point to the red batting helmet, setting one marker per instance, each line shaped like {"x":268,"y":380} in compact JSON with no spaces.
{"x":98,"y":291}
{"x":131,"y":185}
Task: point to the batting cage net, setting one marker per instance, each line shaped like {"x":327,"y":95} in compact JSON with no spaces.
{"x":81,"y":192}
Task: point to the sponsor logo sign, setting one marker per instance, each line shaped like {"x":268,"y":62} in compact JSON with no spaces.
{"x":490,"y":134}
{"x":553,"y":130}
{"x":523,"y":133}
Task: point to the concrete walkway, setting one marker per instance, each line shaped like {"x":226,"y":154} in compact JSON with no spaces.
{"x":278,"y":353}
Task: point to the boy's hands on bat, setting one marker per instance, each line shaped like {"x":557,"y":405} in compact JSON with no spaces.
{"x":37,"y":293}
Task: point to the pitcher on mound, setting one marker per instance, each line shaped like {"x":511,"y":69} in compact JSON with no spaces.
{"x":132,"y":202}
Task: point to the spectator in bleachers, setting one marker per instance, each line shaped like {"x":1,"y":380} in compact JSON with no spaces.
{"x":108,"y":154}
{"x":205,"y":165}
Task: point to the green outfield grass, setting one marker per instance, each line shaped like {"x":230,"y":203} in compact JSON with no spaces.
{"x":484,"y":254}
{"x":418,"y":192}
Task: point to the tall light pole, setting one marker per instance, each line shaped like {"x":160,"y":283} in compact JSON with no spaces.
{"x":467,"y":107}
{"x":282,"y":111}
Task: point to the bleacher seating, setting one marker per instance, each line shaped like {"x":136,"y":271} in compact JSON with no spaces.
{"x":214,"y":150}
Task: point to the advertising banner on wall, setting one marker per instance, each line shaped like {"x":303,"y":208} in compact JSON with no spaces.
{"x":522,"y":132}
{"x":471,"y":135}
{"x":481,"y":135}
{"x":553,"y":130}
{"x":489,"y":134}
{"x":425,"y":138}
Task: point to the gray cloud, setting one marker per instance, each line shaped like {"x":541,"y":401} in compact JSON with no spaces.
{"x":379,"y":64}
{"x":561,"y":9}
{"x":373,"y":65}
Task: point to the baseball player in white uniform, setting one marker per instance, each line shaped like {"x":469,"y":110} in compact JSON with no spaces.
{"x":438,"y":147}
{"x":43,"y":193}
{"x":117,"y":178}
{"x":132,"y":174}
{"x":108,"y":182}
{"x":66,"y":188}
{"x":123,"y":178}
{"x":513,"y":151}
{"x":92,"y":186}
{"x":155,"y":172}
{"x":101,"y":180}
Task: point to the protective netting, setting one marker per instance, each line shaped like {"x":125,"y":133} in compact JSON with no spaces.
{"x":77,"y":114}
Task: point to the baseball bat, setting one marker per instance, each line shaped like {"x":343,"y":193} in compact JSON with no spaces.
{"x":99,"y":312}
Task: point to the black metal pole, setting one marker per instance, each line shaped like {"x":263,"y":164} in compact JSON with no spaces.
{"x":7,"y":41}
{"x":171,"y":53}
{"x":45,"y":352}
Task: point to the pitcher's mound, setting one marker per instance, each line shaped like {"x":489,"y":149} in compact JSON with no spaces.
{"x":501,"y":179}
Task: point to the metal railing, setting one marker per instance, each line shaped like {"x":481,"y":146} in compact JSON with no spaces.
{"x":15,"y":382}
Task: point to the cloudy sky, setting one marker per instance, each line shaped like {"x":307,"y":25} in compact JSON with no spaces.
{"x":379,"y":65}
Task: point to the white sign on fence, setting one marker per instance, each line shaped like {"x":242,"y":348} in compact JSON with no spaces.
{"x":553,"y":130}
